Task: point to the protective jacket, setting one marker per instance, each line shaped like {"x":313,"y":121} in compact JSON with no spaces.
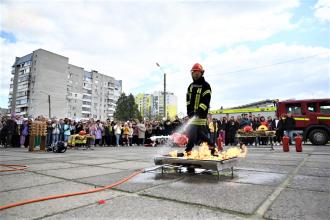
{"x":198,"y":100}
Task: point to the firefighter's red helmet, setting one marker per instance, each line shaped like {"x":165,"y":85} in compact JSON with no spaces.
{"x":197,"y":67}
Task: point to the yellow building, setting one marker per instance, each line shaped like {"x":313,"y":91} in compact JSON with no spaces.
{"x":144,"y":104}
{"x":151,"y":106}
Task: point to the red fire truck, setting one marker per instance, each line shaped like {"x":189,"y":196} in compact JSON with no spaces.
{"x":312,"y":117}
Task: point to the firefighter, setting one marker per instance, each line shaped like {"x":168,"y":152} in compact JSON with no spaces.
{"x":198,"y":103}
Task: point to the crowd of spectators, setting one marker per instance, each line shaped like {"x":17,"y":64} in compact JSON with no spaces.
{"x":227,"y":127}
{"x":15,"y":130}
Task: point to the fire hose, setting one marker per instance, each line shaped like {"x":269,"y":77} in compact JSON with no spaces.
{"x":13,"y":167}
{"x":24,"y":202}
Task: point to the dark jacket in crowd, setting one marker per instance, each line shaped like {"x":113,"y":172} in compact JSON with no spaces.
{"x":11,"y":126}
{"x":222,"y":125}
{"x":255,"y":125}
{"x":168,"y":127}
{"x":273,"y":124}
{"x":244,"y":122}
{"x":49,"y":128}
{"x":232,"y":127}
{"x":156,"y":130}
{"x":176,"y":124}
{"x":107,"y":130}
{"x":289,"y":124}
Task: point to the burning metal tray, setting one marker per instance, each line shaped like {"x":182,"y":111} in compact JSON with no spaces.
{"x":216,"y":165}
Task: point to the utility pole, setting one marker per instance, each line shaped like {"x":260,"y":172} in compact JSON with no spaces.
{"x":49,"y":112}
{"x":165,"y":113}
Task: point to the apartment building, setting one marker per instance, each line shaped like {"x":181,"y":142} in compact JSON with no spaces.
{"x":152,"y":105}
{"x":44,"y":83}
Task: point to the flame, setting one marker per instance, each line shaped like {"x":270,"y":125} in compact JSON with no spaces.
{"x":173,"y":153}
{"x":204,"y":153}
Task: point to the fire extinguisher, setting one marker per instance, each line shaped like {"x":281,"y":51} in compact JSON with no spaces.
{"x":298,"y":143}
{"x":285,"y":143}
{"x":219,"y":143}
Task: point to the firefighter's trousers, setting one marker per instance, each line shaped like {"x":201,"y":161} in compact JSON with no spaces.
{"x":197,"y":134}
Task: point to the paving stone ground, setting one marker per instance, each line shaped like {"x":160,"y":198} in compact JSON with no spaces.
{"x":266,"y":185}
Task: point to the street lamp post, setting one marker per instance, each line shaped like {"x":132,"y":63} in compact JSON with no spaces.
{"x":49,"y":109}
{"x":165,"y":113}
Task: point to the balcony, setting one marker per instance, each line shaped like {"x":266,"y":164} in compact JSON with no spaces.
{"x":22,"y":105}
{"x":86,"y":106}
{"x":21,"y":96}
{"x":85,"y":112}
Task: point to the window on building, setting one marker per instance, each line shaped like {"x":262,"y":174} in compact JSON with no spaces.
{"x":87,"y":91}
{"x":22,"y":93}
{"x":88,"y":76}
{"x":21,"y":102}
{"x":23,"y":78}
{"x":86,"y":109}
{"x":88,"y":85}
{"x":85,"y":115}
{"x":87,"y":97}
{"x":86,"y":103}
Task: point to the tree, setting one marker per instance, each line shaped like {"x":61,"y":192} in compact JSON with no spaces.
{"x":126,"y":108}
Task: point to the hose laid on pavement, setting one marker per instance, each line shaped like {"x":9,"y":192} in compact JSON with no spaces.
{"x":13,"y":167}
{"x":71,"y":194}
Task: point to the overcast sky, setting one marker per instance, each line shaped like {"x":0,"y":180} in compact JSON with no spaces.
{"x":250,"y":50}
